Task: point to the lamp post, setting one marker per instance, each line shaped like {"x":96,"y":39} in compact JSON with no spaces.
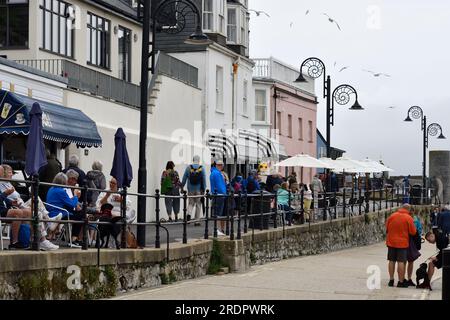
{"x":416,"y":112}
{"x":315,"y":68}
{"x":169,"y":16}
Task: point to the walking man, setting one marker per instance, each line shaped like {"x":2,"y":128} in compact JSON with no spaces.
{"x":194,"y":176}
{"x":219,"y":190}
{"x":399,"y":227}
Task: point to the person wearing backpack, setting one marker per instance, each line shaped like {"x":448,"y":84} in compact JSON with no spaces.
{"x":170,"y":186}
{"x":251,"y":184}
{"x":195,"y":178}
{"x":95,"y":179}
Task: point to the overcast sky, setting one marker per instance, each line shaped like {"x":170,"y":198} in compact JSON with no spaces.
{"x":407,"y":39}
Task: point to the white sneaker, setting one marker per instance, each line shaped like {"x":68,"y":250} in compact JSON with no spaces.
{"x":48,"y":246}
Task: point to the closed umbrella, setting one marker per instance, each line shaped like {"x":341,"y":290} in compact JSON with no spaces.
{"x":34,"y":160}
{"x":123,"y":173}
{"x":35,"y":155}
{"x":121,"y":167}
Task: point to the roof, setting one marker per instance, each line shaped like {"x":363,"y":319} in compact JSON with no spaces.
{"x":120,"y":6}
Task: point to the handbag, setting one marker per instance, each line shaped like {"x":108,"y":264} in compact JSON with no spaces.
{"x":131,"y":239}
{"x":412,"y":253}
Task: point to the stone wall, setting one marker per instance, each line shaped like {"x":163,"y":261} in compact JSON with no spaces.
{"x":73,"y":274}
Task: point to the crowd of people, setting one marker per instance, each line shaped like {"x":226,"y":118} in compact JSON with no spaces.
{"x":61,"y":201}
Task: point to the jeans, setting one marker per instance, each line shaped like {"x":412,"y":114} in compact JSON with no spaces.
{"x":172,"y":203}
{"x":195,"y":204}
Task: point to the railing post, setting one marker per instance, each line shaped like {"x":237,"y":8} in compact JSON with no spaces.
{"x":239,"y":216}
{"x":36,"y":231}
{"x":291,"y":214}
{"x":335,"y":204}
{"x":228,"y":206}
{"x":302,"y":206}
{"x":206,"y":214}
{"x":275,"y":221}
{"x":325,"y":206}
{"x":246,"y":213}
{"x":385,"y":197}
{"x":344,"y":205}
{"x":359,"y":201}
{"x":86,"y":220}
{"x":381,"y":198}
{"x":373,"y":200}
{"x":214,"y":201}
{"x":231,"y":211}
{"x":184,"y":217}
{"x":398,"y":193}
{"x":158,"y":222}
{"x":312,"y":212}
{"x":261,"y":211}
{"x":124,"y":217}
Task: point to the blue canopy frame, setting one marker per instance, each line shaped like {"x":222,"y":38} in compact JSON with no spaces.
{"x":59,"y":123}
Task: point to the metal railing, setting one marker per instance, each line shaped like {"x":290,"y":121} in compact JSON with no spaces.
{"x":256,"y":211}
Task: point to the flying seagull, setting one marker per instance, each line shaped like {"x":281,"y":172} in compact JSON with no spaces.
{"x":392,"y":107}
{"x":258,"y":13}
{"x":332,"y":21}
{"x":307,"y":11}
{"x":291,"y":24}
{"x":377,"y":74}
{"x":343,"y":68}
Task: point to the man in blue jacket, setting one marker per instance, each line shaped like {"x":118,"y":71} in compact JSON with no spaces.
{"x":195,"y":177}
{"x":219,"y":190}
{"x":443,"y":220}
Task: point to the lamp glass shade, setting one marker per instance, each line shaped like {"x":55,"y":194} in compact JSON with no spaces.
{"x":408,"y":119}
{"x":300,"y":78}
{"x":441,"y":136}
{"x":356,"y":106}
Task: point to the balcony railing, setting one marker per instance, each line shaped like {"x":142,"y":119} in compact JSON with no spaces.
{"x":100,"y":84}
{"x":276,"y":70}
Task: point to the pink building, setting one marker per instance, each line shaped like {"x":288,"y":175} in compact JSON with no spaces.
{"x":292,"y":109}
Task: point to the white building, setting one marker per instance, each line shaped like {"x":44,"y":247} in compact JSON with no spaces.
{"x":94,"y":67}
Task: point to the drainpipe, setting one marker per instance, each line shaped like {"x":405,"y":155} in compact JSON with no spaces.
{"x":233,"y":96}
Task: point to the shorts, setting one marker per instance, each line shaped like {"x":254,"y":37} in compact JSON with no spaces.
{"x":219,"y":207}
{"x":397,"y":254}
{"x":438,"y":262}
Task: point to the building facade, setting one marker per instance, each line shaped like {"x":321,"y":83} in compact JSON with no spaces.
{"x":289,"y":108}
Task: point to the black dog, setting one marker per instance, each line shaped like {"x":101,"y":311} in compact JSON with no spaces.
{"x":107,"y":230}
{"x":422,"y":274}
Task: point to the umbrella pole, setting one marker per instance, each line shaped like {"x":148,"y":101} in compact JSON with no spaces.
{"x":124,"y":218}
{"x":34,"y":208}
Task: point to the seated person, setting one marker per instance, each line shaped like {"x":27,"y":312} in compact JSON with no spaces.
{"x":7,"y":172}
{"x":441,"y":240}
{"x":58,"y":198}
{"x":283,"y":200}
{"x":115,"y":199}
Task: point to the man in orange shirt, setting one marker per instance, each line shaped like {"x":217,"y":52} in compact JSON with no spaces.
{"x":399,"y":227}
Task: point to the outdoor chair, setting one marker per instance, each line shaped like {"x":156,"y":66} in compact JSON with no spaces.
{"x":65,"y":234}
{"x":281,"y":216}
{"x":332,"y":204}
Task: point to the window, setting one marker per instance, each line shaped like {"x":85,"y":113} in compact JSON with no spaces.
{"x":260,"y":105}
{"x":232,"y":26}
{"x":300,"y":129}
{"x":13,"y":23}
{"x":290,"y":125}
{"x":279,"y":122}
{"x":310,"y":131}
{"x":57,"y":31}
{"x":221,"y":16}
{"x":124,"y":53}
{"x":98,"y":49}
{"x":242,"y":40}
{"x":244,"y":98}
{"x":219,"y":88}
{"x":208,"y":16}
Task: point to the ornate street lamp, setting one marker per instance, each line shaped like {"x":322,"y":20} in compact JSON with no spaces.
{"x":414,"y":113}
{"x":169,"y":16}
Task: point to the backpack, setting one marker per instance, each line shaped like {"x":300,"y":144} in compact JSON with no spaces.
{"x":251,"y":186}
{"x":24,"y":235}
{"x":166,"y":184}
{"x":195,"y":175}
{"x":237,"y":186}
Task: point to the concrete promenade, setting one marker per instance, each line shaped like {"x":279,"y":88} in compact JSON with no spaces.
{"x":339,"y":275}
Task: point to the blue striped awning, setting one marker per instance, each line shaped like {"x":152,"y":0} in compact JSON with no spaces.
{"x":59,"y":123}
